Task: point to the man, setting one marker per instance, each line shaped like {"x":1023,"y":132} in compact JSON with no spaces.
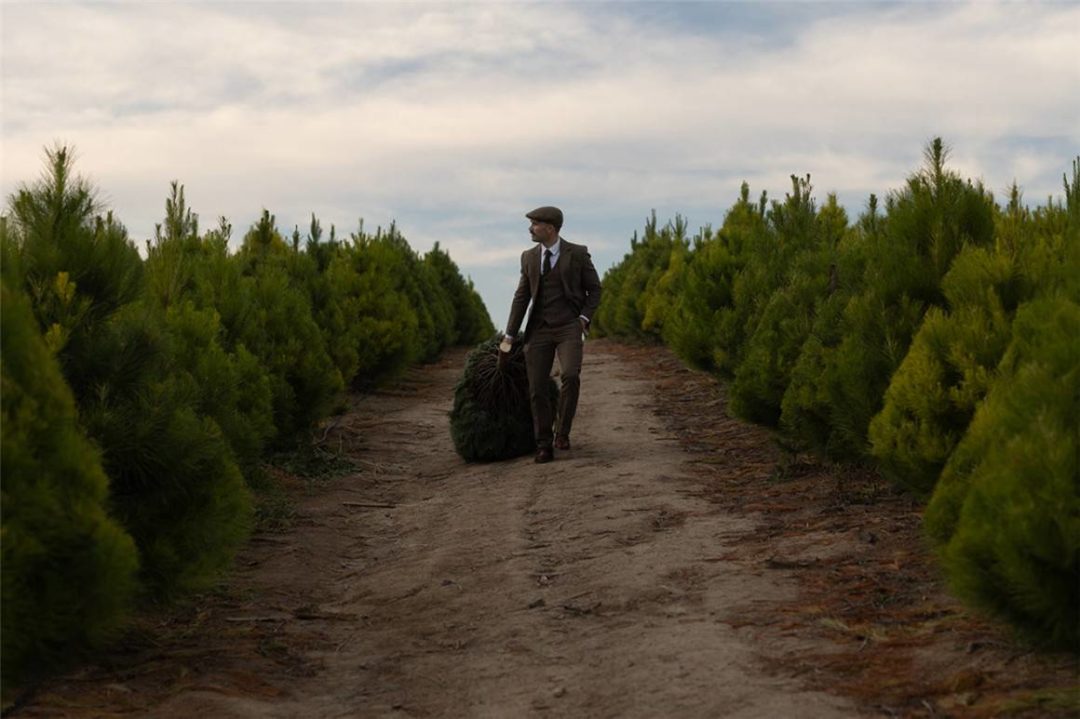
{"x":559,"y":279}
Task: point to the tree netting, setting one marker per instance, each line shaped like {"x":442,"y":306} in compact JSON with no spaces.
{"x":491,"y":419}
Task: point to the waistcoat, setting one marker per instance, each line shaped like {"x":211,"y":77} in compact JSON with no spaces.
{"x":556,"y":309}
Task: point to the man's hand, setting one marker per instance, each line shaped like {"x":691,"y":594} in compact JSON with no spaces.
{"x":584,"y":326}
{"x":504,"y":353}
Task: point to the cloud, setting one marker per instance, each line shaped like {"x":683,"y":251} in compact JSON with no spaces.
{"x":455,"y":118}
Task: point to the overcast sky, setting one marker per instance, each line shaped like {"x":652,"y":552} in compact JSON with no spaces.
{"x":454,"y":118}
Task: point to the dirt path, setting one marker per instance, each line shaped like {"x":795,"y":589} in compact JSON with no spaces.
{"x":612,"y":582}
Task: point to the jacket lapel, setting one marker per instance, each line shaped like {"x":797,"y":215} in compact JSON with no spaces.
{"x":532,"y":270}
{"x":566,"y":254}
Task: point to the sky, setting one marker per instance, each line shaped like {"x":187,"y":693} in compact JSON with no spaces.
{"x":454,"y":119}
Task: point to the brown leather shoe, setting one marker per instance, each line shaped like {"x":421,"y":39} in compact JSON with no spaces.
{"x":544,"y":454}
{"x":562,"y":442}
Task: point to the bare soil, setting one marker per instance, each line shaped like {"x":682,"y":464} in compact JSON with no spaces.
{"x":674,"y":563}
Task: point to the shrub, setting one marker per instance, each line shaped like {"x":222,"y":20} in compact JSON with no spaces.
{"x":946,"y":372}
{"x":632,"y":284}
{"x":805,"y":410}
{"x":328,"y":276}
{"x":181,"y":370}
{"x":926,"y":225}
{"x":232,"y":388}
{"x":780,"y":317}
{"x":68,"y":568}
{"x":767,"y":252}
{"x":1006,"y":512}
{"x":230,"y":385}
{"x":388,"y":254}
{"x":656,"y":303}
{"x":385,"y":329}
{"x":711,"y":268}
{"x":281,"y":331}
{"x":176,"y":485}
{"x":173,"y":481}
{"x":471,"y":321}
{"x":953,"y":358}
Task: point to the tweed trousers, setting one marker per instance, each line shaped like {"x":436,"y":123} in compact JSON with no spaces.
{"x":544,"y":343}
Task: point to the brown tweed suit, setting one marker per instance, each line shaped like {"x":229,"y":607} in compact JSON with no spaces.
{"x":573,"y":291}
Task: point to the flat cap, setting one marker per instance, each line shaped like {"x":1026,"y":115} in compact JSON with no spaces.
{"x":550,"y":215}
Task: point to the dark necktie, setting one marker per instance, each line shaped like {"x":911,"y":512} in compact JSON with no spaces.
{"x":547,"y":262}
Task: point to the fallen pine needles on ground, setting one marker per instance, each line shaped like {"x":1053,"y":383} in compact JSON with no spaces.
{"x":897,"y":642}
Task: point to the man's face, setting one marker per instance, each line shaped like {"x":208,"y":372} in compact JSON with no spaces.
{"x":542,"y":231}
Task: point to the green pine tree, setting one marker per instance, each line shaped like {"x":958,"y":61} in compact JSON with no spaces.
{"x":68,"y":567}
{"x":1006,"y":512}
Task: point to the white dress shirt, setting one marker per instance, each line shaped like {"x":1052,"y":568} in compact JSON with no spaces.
{"x":554,"y":250}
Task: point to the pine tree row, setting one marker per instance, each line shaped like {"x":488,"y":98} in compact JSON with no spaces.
{"x":936,"y":337}
{"x":140,"y":396}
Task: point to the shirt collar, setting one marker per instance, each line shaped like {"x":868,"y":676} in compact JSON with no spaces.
{"x":554,"y":251}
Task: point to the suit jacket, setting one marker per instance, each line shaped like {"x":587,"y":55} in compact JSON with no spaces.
{"x":581,"y":284}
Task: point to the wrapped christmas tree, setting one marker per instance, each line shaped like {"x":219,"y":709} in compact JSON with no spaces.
{"x":491,"y":419}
